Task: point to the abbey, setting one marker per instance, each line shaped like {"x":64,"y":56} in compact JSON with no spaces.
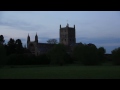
{"x":67,"y":37}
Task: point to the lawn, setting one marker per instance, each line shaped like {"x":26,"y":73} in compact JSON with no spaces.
{"x":60,"y":72}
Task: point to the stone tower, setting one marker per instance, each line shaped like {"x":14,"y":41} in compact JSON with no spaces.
{"x":28,"y":41}
{"x":67,"y":35}
{"x":36,"y":38}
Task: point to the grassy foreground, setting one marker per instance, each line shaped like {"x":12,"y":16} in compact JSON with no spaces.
{"x":61,"y":72}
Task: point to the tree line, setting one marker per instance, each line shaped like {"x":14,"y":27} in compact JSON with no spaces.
{"x":13,"y":53}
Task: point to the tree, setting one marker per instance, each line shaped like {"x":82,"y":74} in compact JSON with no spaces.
{"x":116,"y":56}
{"x":102,"y":50}
{"x":2,"y":55}
{"x":91,"y":55}
{"x":18,"y":46}
{"x":57,"y":54}
{"x":11,"y":42}
{"x":86,"y":54}
{"x":2,"y":39}
{"x":78,"y":52}
{"x":52,"y":41}
{"x":42,"y":59}
{"x":11,"y":46}
{"x":101,"y":53}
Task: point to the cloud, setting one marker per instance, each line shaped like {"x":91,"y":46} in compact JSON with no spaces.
{"x":21,"y":25}
{"x":102,"y":41}
{"x":13,"y":32}
{"x":110,"y":44}
{"x":44,"y":39}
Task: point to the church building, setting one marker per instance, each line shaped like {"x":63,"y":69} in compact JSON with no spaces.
{"x":67,"y":37}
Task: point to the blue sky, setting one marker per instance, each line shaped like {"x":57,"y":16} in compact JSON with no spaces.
{"x":101,"y":28}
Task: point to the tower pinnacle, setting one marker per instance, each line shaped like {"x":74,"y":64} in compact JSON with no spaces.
{"x":67,"y":24}
{"x":36,"y":38}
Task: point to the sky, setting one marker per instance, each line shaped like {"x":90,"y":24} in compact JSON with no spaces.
{"x":101,"y":28}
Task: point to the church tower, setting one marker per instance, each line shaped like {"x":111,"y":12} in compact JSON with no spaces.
{"x":36,"y":38}
{"x":28,"y":40}
{"x":67,"y":35}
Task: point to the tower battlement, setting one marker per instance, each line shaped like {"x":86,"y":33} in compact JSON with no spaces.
{"x":67,"y":35}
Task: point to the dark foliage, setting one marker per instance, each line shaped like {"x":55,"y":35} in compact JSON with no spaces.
{"x":86,"y":54}
{"x":58,"y":55}
{"x":116,"y":56}
{"x":43,"y":59}
{"x":18,"y":46}
{"x":11,"y":46}
{"x":101,"y":54}
{"x":52,"y":41}
{"x":13,"y":53}
{"x":2,"y":39}
{"x":2,"y":55}
{"x":68,"y":59}
{"x":23,"y":59}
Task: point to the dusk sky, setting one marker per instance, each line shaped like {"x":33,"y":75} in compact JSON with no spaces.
{"x":101,"y":28}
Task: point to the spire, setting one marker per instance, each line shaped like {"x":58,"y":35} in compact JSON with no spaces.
{"x":28,"y":38}
{"x":74,"y":26}
{"x":36,"y":33}
{"x":28,"y":34}
{"x":36,"y":38}
{"x":67,"y":24}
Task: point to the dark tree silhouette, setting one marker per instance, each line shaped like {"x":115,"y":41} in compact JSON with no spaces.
{"x":57,"y":54}
{"x":116,"y":56}
{"x":2,"y":55}
{"x":18,"y":46}
{"x":11,"y":46}
{"x":101,"y":54}
{"x":52,"y":41}
{"x":2,"y":39}
{"x":86,"y":54}
{"x":102,"y":50}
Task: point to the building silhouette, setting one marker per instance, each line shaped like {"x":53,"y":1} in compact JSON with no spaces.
{"x":67,"y":37}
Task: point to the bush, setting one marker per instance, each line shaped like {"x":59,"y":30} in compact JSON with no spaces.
{"x":57,"y":54}
{"x":101,"y":55}
{"x":12,"y":59}
{"x":18,"y":59}
{"x":42,"y":59}
{"x":2,"y":55}
{"x":86,"y":54}
{"x":116,"y":56}
{"x":68,"y":59}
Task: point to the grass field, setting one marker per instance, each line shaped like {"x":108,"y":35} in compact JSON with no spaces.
{"x":60,"y":72}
